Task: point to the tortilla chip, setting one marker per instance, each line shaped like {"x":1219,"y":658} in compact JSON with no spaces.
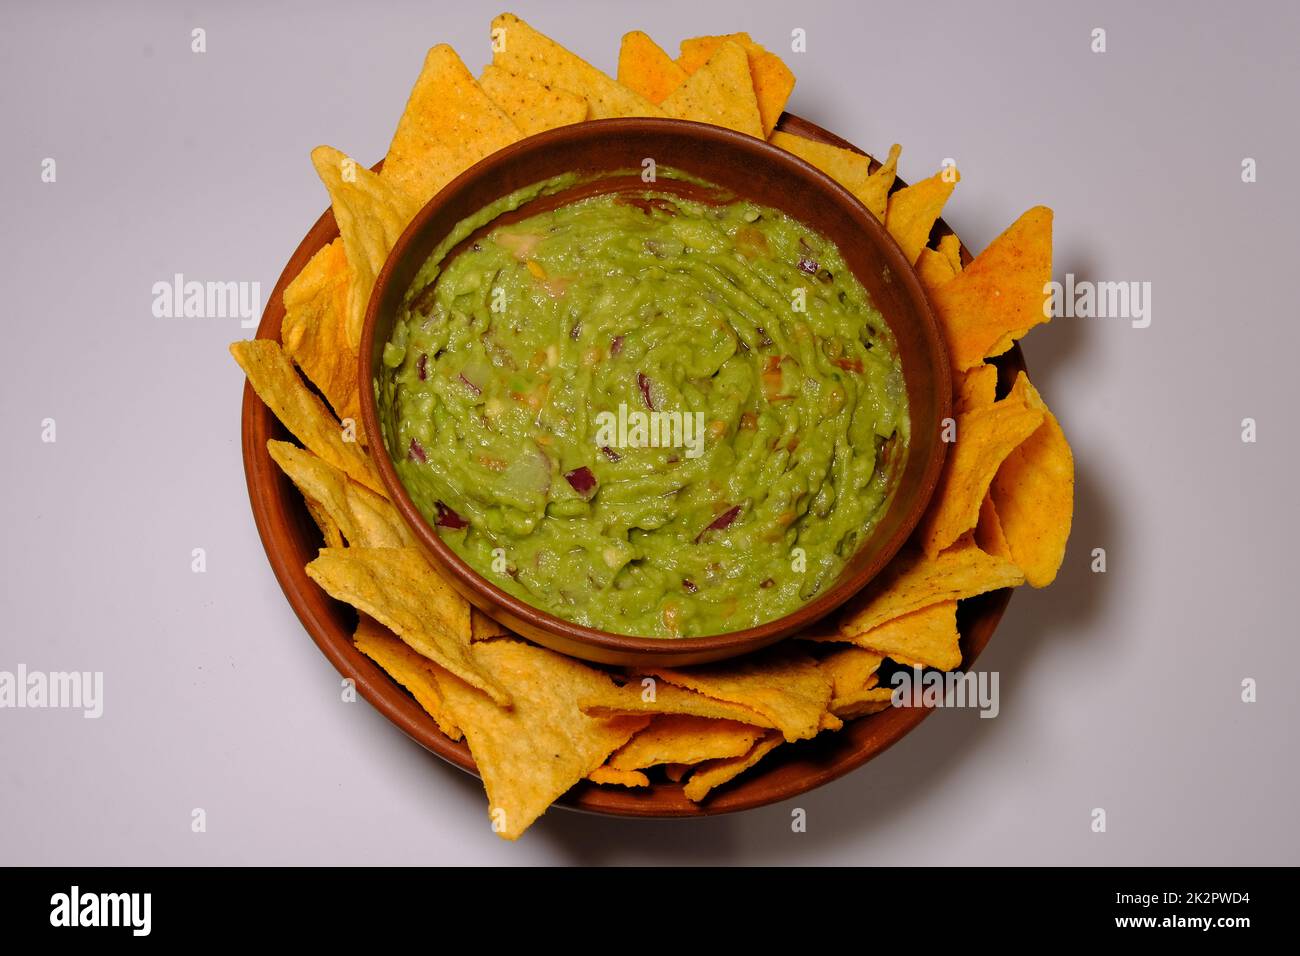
{"x":875,"y":194}
{"x":518,"y":48}
{"x":676,"y":771}
{"x":850,"y":670}
{"x":1000,"y":296}
{"x":366,"y":519}
{"x":631,"y":699}
{"x":950,"y":247}
{"x":449,"y":124}
{"x":772,"y":80}
{"x":621,"y":778}
{"x":314,"y":331}
{"x":860,"y":703}
{"x":531,"y":753}
{"x":399,"y":589}
{"x":976,"y":388}
{"x":714,"y":773}
{"x":418,"y":675}
{"x":371,"y":214}
{"x":784,"y":685}
{"x":988,"y":531}
{"x":850,"y":169}
{"x":924,"y":638}
{"x":485,"y":628}
{"x":913,"y":581}
{"x":531,"y":107}
{"x":645,"y":68}
{"x":985,"y":437}
{"x":680,"y":738}
{"x":276,"y":383}
{"x":913,"y":211}
{"x":933,"y":268}
{"x":720,"y":92}
{"x":1034,"y":495}
{"x":329,"y":528}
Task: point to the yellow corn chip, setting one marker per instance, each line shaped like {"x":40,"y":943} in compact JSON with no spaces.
{"x":366,"y":519}
{"x":870,"y":700}
{"x":329,"y":528}
{"x":531,"y":753}
{"x":676,"y":771}
{"x":635,"y":698}
{"x":925,"y":638}
{"x":314,"y":331}
{"x":850,"y":169}
{"x":449,"y":124}
{"x":399,"y":589}
{"x":371,"y":215}
{"x":720,"y":92}
{"x":531,"y":107}
{"x":484,"y":628}
{"x":875,"y":193}
{"x":976,"y":388}
{"x":415,"y":673}
{"x":913,"y":581}
{"x":933,"y":268}
{"x":784,"y":685}
{"x":715,"y":773}
{"x":913,"y":211}
{"x":985,"y":437}
{"x":988,"y":531}
{"x":680,"y":738}
{"x":850,"y":670}
{"x":1000,"y":296}
{"x":520,"y":49}
{"x":772,"y":79}
{"x":1034,"y":495}
{"x":276,"y":383}
{"x":645,"y":68}
{"x":950,"y":246}
{"x":621,"y":778}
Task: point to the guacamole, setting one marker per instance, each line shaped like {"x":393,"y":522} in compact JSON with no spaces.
{"x":645,"y":411}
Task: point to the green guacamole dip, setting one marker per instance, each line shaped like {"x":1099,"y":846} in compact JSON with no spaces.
{"x":645,"y":413}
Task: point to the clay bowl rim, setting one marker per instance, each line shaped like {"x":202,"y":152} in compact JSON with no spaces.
{"x":590,"y":643}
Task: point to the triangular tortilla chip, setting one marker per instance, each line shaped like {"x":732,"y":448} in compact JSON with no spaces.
{"x":715,"y":773}
{"x":680,"y":738}
{"x":632,"y":698}
{"x":985,"y":437}
{"x":533,"y":752}
{"x":913,"y":581}
{"x":976,"y":388}
{"x":720,"y":92}
{"x":314,"y":331}
{"x":850,"y":670}
{"x":531,"y":107}
{"x":1034,"y":495}
{"x":933,"y":268}
{"x":784,"y":685}
{"x":449,"y":125}
{"x":1001,"y":295}
{"x":417,"y":674}
{"x":329,"y":528}
{"x":371,"y":215}
{"x":277,"y":383}
{"x":950,"y":246}
{"x":518,"y":48}
{"x":988,"y":531}
{"x":913,"y":211}
{"x":645,"y":68}
{"x":772,"y":79}
{"x":398,"y":588}
{"x":484,"y":628}
{"x":618,"y":778}
{"x":923,"y":638}
{"x":870,"y":700}
{"x":366,"y":519}
{"x":875,"y":194}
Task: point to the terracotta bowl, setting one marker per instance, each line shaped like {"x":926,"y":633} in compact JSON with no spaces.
{"x":748,"y":168}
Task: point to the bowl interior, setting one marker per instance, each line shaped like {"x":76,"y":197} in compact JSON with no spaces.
{"x":746,"y":167}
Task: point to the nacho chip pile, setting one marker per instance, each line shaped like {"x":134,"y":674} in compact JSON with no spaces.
{"x":538,"y":723}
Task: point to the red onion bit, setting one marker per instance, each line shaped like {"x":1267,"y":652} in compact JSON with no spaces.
{"x":610,"y":453}
{"x":582,"y":481}
{"x":807,"y":266}
{"x":472,"y":387}
{"x":416,"y":452}
{"x":448,"y":518}
{"x":616,"y":345}
{"x":722,"y":521}
{"x":689,"y":586}
{"x":643,"y":383}
{"x":422,"y":367}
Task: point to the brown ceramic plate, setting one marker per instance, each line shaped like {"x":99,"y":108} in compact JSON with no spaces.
{"x":291,"y":540}
{"x":739,"y":166}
